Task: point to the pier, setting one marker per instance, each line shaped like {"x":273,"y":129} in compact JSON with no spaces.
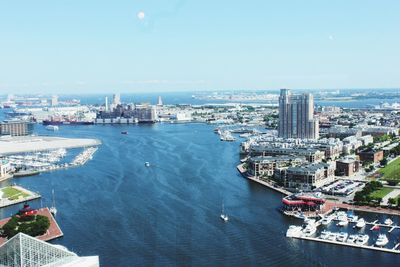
{"x":393,"y":250}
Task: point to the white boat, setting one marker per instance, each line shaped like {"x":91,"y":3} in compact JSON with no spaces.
{"x":309,"y":230}
{"x":388,"y":221}
{"x":324,"y":234}
{"x":342,"y":236}
{"x":224,"y":216}
{"x":362,"y":239}
{"x":360,"y":223}
{"x":147,"y":164}
{"x":331,"y":236}
{"x":382,"y":240}
{"x":351,"y":239}
{"x":327,"y":220}
{"x":343,"y":222}
{"x":351,"y":217}
{"x":52,"y":128}
{"x":294,"y":231}
{"x":53,"y":209}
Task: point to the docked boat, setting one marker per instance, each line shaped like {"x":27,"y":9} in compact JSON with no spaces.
{"x":324,"y":234}
{"x":326,"y":220}
{"x":309,"y":230}
{"x":52,"y":127}
{"x":294,"y":231}
{"x":223,"y":215}
{"x":342,"y":236}
{"x":351,"y":239}
{"x":388,"y":221}
{"x":331,"y":236}
{"x":53,"y":209}
{"x":382,"y":240}
{"x":351,"y":217}
{"x":362,"y":239}
{"x":360,"y":223}
{"x":343,"y":222}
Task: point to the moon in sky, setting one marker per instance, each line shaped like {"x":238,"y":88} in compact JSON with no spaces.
{"x":140,"y":15}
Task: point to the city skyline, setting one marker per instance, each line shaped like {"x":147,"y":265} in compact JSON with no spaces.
{"x":136,"y":46}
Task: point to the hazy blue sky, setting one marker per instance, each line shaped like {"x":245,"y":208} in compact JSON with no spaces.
{"x":105,"y":46}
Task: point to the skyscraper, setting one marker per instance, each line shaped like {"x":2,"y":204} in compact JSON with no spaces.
{"x":296,"y":116}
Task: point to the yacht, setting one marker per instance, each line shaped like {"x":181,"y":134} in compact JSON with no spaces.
{"x":294,"y":231}
{"x":324,"y":234}
{"x":388,"y":221}
{"x":351,"y":239}
{"x":309,"y":230}
{"x":53,"y":209}
{"x":224,"y":216}
{"x":360,"y":223}
{"x":52,"y":128}
{"x":343,"y":222}
{"x":332,"y":236}
{"x":326,"y":220}
{"x":382,"y":240}
{"x":342,"y":236}
{"x":362,"y":239}
{"x":351,"y":217}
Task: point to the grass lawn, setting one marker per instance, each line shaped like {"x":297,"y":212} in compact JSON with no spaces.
{"x":12,"y":193}
{"x":391,"y":171}
{"x":381,"y":192}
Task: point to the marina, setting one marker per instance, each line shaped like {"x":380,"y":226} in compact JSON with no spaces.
{"x":353,"y":235}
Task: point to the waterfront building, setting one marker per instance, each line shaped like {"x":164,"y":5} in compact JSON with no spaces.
{"x":116,"y":100}
{"x":24,"y":250}
{"x":296,"y":116}
{"x":311,"y":154}
{"x":159,"y":102}
{"x":16,"y":128}
{"x":266,"y":165}
{"x":303,"y":202}
{"x":306,"y":177}
{"x":5,"y":169}
{"x":371,"y":155}
{"x":347,"y":167}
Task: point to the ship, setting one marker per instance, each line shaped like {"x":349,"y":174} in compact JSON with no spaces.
{"x":66,"y":122}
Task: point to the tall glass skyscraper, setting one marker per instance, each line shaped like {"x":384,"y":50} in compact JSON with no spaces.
{"x":296,"y":116}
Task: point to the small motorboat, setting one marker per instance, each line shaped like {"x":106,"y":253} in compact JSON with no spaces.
{"x":382,"y":240}
{"x":388,"y":221}
{"x":124,"y":132}
{"x":342,"y":236}
{"x":147,"y":164}
{"x":362,"y":240}
{"x":351,"y":239}
{"x":360,"y":223}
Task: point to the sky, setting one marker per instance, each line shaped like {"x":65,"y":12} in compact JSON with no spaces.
{"x":90,"y":46}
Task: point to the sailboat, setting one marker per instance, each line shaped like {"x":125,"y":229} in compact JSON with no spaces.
{"x":224,"y":216}
{"x":53,"y":209}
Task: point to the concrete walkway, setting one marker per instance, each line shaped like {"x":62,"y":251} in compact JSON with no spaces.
{"x":392,"y":194}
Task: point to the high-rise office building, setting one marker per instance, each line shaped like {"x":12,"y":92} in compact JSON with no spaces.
{"x":54,"y":100}
{"x":296,"y":116}
{"x":116,"y":100}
